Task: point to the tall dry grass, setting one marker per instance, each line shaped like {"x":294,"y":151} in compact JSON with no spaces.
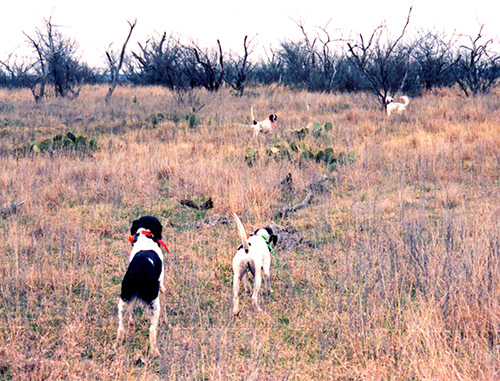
{"x":397,"y":276}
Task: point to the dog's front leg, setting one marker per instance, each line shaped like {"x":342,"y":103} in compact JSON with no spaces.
{"x":267,"y":282}
{"x":162,"y":285}
{"x":266,"y":266}
{"x":256,"y":130}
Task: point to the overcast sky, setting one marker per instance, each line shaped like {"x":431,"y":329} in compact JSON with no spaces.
{"x":94,"y":24}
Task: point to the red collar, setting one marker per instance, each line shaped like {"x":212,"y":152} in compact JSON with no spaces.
{"x":147,"y":233}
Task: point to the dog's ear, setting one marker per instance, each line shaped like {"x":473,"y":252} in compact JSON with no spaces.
{"x":269,"y":230}
{"x":273,"y":117}
{"x":156,"y":228}
{"x":273,"y":239}
{"x":153,"y":225}
{"x":135,"y":226}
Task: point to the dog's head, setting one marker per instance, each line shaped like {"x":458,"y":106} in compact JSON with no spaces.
{"x":268,"y":234}
{"x":273,"y":117}
{"x":149,"y":223}
{"x":388,"y":100}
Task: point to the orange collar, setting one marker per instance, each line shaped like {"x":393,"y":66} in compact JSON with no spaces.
{"x":147,"y":233}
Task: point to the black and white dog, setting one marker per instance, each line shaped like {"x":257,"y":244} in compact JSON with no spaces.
{"x":252,"y":256}
{"x":143,"y":280}
{"x":265,"y":126}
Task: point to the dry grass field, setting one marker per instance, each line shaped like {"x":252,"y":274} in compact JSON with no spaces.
{"x":391,"y":272}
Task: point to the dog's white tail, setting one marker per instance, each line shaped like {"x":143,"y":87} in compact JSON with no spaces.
{"x":241,"y":232}
{"x":405,"y":99}
{"x":253,"y":118}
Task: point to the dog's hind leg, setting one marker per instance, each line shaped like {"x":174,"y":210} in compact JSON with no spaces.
{"x":124,"y":308}
{"x":155,"y":317}
{"x":246,"y":283}
{"x":256,"y":287}
{"x":131,"y":324}
{"x":119,"y":334}
{"x":239,"y":273}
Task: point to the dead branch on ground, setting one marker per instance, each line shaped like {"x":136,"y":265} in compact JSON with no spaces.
{"x":314,"y":187}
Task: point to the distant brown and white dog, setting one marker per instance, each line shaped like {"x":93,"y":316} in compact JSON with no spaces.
{"x":252,"y":256}
{"x":396,"y":107}
{"x":143,"y":280}
{"x":264,"y":126}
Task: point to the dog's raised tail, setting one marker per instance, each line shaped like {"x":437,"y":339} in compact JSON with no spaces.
{"x":254,"y":121}
{"x":241,"y":232}
{"x":405,"y":99}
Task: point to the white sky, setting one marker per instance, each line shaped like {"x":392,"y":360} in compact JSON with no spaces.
{"x":94,"y":24}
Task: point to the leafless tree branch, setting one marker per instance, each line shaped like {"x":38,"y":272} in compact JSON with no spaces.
{"x":116,"y":65}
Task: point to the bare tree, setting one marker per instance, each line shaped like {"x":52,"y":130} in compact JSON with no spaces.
{"x":212,"y":70}
{"x":17,"y":74}
{"x":328,"y":60}
{"x":37,"y":86}
{"x":383,"y":64}
{"x":240,"y":67}
{"x":310,"y":63}
{"x":169,"y":63}
{"x":296,"y":63}
{"x":55,"y":63}
{"x":162,"y":62}
{"x":433,"y":54}
{"x":478,"y":66}
{"x":115,"y":64}
{"x":268,"y":71}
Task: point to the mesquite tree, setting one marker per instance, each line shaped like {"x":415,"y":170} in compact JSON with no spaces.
{"x":55,"y":63}
{"x":239,"y":68}
{"x":15,"y":73}
{"x":478,"y":67}
{"x":209,"y":68}
{"x":312,"y":62}
{"x":383,"y":63}
{"x":434,"y":57}
{"x":162,"y":62}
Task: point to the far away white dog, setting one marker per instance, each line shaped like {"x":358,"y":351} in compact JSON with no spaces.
{"x":392,"y":106}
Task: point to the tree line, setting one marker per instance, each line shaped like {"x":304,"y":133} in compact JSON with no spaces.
{"x":380,"y":63}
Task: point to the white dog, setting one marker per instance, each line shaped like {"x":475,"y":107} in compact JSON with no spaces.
{"x":264,"y":126}
{"x":392,"y":106}
{"x":252,"y":256}
{"x":143,"y":280}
